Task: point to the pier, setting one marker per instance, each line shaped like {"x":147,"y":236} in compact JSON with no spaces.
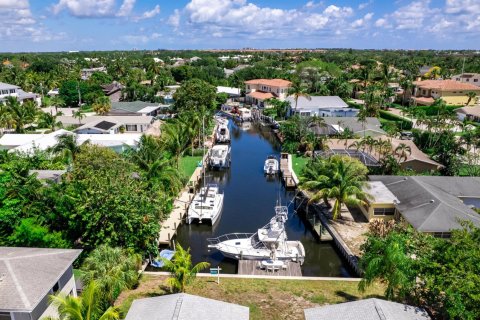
{"x":289,"y":177}
{"x":252,"y":267}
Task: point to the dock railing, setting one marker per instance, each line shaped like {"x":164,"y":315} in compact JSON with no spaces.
{"x":228,"y":236}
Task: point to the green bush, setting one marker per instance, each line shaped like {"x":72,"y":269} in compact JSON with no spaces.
{"x":399,"y":121}
{"x":433,"y":110}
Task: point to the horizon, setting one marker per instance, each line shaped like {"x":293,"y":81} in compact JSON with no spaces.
{"x":120,"y":25}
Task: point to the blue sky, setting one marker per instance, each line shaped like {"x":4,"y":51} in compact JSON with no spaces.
{"x":62,"y":25}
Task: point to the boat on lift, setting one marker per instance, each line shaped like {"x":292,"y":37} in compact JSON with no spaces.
{"x":222,"y":134}
{"x":271,"y":165}
{"x":219,"y":156}
{"x":269,"y":242}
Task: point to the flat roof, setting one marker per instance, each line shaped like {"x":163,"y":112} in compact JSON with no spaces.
{"x":318,"y":102}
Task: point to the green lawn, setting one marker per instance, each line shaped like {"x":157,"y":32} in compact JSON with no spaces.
{"x":298,"y":164}
{"x":267,"y":299}
{"x":188,"y":164}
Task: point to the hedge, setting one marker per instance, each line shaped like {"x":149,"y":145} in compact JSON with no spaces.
{"x":401,"y":122}
{"x":433,"y":110}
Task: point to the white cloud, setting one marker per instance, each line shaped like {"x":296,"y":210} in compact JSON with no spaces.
{"x":148,"y":14}
{"x":94,"y":8}
{"x":363,"y":21}
{"x":363,"y":5}
{"x":174,"y":19}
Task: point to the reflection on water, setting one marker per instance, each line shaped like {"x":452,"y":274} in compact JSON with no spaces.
{"x":249,"y":203}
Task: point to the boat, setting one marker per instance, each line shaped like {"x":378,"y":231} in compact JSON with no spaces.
{"x":165,"y":253}
{"x":222,"y":134}
{"x":206,"y":205}
{"x":219,"y":156}
{"x":271,"y":165}
{"x":269,"y":242}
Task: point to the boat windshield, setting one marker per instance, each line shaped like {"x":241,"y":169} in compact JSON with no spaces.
{"x":218,"y":153}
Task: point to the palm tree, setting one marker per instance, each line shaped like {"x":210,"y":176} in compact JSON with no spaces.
{"x":403,"y":151}
{"x":68,"y":146}
{"x":48,"y":120}
{"x":471,"y":95}
{"x":112,"y":269}
{"x":79,"y":115}
{"x":175,"y":140}
{"x":21,"y":114}
{"x":181,"y":269}
{"x":57,"y":102}
{"x":85,"y":307}
{"x":102,"y":105}
{"x":6,"y":119}
{"x":407,"y":86}
{"x":297,"y":91}
{"x":340,"y":178}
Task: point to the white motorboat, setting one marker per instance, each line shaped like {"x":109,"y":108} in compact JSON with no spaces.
{"x":222,"y":134}
{"x":219,"y":156}
{"x":269,"y":242}
{"x":221,"y":120}
{"x":271,"y":165}
{"x":206,"y":205}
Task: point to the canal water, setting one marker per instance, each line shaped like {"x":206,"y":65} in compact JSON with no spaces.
{"x":249,"y":200}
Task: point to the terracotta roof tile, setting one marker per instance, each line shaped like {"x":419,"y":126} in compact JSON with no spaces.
{"x":270,"y":82}
{"x":446,"y":85}
{"x":259,"y":95}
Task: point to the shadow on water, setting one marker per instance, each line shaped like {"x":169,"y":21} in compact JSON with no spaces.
{"x":249,"y":203}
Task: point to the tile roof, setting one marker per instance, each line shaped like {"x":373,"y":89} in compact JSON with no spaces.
{"x":270,"y":82}
{"x":433,"y":204}
{"x":368,"y":309}
{"x":446,"y":85}
{"x":28,"y":274}
{"x":259,"y":95}
{"x":184,"y":306}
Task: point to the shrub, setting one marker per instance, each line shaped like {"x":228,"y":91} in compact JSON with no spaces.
{"x":400,"y":122}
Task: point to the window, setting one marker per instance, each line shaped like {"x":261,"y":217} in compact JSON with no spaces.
{"x":131,"y":127}
{"x":55,"y":287}
{"x":468,"y":80}
{"x":12,"y":90}
{"x":383,"y":211}
{"x":475,"y":80}
{"x":5,"y":316}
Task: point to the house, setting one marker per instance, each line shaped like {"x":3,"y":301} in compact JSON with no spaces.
{"x":471,"y":78}
{"x":229,"y":72}
{"x":184,"y":306}
{"x":259,"y":90}
{"x":232,"y":92}
{"x":415,"y":160}
{"x":137,"y":108}
{"x":9,"y":90}
{"x":468,"y":113}
{"x":320,"y":106}
{"x":452,"y":92}
{"x":337,"y":125}
{"x":85,"y":74}
{"x":113,"y":91}
{"x":28,"y":143}
{"x":158,"y":60}
{"x":431,"y":204}
{"x":108,"y":124}
{"x":371,"y":309}
{"x":28,"y":276}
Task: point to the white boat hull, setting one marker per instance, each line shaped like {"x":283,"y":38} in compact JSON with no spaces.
{"x":202,"y":210}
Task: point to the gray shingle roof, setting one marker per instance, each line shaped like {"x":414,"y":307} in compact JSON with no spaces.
{"x":185,"y":307}
{"x":432,"y":204}
{"x":133,"y":106}
{"x":368,"y":309}
{"x":372,"y":126}
{"x":6,"y":86}
{"x":28,"y":274}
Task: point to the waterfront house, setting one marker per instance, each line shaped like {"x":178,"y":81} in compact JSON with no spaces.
{"x":468,"y":113}
{"x":108,"y":124}
{"x":336,"y":125}
{"x":259,"y":90}
{"x":232,"y":92}
{"x":86,"y":73}
{"x":415,"y":160}
{"x":184,"y":306}
{"x":471,"y":78}
{"x":10,"y":90}
{"x":452,"y":92}
{"x":431,"y":204}
{"x":28,"y":276}
{"x":371,"y":309}
{"x":321,"y":106}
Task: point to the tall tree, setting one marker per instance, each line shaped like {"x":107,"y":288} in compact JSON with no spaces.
{"x":297,"y":90}
{"x":102,"y":105}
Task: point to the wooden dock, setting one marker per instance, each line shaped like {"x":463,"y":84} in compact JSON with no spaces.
{"x":251,"y":267}
{"x":289,"y":178}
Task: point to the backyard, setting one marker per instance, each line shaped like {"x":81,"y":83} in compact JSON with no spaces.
{"x":188,"y":164}
{"x":267,"y":299}
{"x":298,"y":164}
